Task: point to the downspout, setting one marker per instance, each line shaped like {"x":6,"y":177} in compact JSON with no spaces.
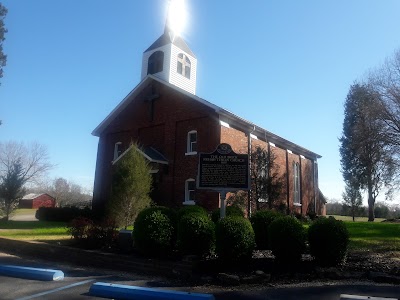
{"x":287,"y":183}
{"x":316,"y":192}
{"x":301,"y":187}
{"x":249,"y":173}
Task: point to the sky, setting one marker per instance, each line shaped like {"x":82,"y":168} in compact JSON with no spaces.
{"x":284,"y":65}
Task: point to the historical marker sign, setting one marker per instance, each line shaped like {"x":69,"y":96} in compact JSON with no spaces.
{"x":223,"y":169}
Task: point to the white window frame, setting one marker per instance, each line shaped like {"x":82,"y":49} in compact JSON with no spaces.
{"x":189,"y":201}
{"x":189,"y":144}
{"x":296,"y":184}
{"x":117,"y":149}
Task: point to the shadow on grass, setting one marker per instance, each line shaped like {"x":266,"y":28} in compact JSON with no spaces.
{"x":29,"y":224}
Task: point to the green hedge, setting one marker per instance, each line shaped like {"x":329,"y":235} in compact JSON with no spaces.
{"x":260,"y":221}
{"x":235,"y":240}
{"x":62,"y":214}
{"x":188,"y":209}
{"x":155,"y":231}
{"x":328,"y":240}
{"x":196,"y":234}
{"x":230,"y":211}
{"x":287,"y":239}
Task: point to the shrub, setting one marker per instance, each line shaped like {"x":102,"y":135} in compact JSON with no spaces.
{"x":230,"y":211}
{"x":260,"y":221}
{"x":92,"y":234}
{"x":61,"y":214}
{"x":79,"y":228}
{"x":328,"y":240}
{"x":196,"y":234}
{"x":188,"y":209}
{"x":286,"y":239}
{"x":154,"y":231}
{"x":235,"y":240}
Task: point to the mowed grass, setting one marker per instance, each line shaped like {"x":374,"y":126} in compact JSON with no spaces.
{"x":375,"y":237}
{"x":34,"y":230}
{"x":357,"y":219}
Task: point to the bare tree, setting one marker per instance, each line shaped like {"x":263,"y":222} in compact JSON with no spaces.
{"x":3,"y":30}
{"x":385,"y":81}
{"x":20,"y":164}
{"x":267,"y":183}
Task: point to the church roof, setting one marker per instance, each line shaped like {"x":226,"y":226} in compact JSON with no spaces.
{"x":168,"y":38}
{"x":225,"y":115}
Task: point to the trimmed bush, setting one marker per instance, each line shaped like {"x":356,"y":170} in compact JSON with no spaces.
{"x":287,"y":239}
{"x":328,"y":240}
{"x":61,"y":214}
{"x":230,"y":211}
{"x":235,"y":240}
{"x":154,"y":231}
{"x":188,"y":209}
{"x":196,"y":234}
{"x":260,"y":221}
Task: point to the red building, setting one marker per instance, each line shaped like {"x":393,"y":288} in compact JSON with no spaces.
{"x":36,"y":201}
{"x":172,"y":124}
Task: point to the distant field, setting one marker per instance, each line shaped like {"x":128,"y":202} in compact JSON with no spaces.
{"x":359,"y":219}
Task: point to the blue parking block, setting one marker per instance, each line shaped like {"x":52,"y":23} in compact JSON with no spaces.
{"x":119,"y":291}
{"x":31,"y":273}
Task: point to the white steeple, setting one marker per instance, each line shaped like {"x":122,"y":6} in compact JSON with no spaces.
{"x":169,"y":58}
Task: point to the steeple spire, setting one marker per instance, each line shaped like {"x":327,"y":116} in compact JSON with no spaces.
{"x":176,"y":18}
{"x":169,"y":57}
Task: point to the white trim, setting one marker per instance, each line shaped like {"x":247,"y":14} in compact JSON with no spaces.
{"x":189,"y":203}
{"x":187,"y":191}
{"x":289,"y":151}
{"x":116,"y":148}
{"x":154,"y":171}
{"x":224,"y":124}
{"x":297,"y":204}
{"x":189,"y":146}
{"x":253,"y":136}
{"x":272,"y":144}
{"x":191,"y":153}
{"x":302,"y":157}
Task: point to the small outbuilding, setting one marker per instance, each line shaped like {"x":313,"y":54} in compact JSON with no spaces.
{"x":37,"y":200}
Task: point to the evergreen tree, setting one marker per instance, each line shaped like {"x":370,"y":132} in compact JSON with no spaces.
{"x":11,"y":188}
{"x":131,"y":186}
{"x":365,"y":156}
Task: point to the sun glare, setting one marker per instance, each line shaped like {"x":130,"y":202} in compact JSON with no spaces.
{"x":177,"y":16}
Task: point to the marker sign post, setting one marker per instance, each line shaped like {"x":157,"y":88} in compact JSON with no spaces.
{"x":224,"y":171}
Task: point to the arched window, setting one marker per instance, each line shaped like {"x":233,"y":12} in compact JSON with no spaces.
{"x":190,"y":190}
{"x":155,"y":62}
{"x":183,"y":65}
{"x":191,"y":147}
{"x":296,"y":183}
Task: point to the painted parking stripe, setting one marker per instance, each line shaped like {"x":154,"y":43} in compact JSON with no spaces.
{"x":56,"y":290}
{"x":120,"y":291}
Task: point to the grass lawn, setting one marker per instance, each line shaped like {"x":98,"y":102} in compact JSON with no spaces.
{"x":34,"y":230}
{"x":376,"y":237}
{"x":357,"y":219}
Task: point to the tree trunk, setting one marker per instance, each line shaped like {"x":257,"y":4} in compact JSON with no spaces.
{"x":371,"y":208}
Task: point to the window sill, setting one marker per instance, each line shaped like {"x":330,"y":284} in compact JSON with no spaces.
{"x":191,"y":153}
{"x":189,"y":203}
{"x":296,"y":204}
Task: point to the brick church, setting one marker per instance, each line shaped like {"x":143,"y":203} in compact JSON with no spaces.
{"x":172,"y":124}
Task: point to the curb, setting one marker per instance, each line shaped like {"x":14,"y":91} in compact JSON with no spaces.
{"x":31,"y":273}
